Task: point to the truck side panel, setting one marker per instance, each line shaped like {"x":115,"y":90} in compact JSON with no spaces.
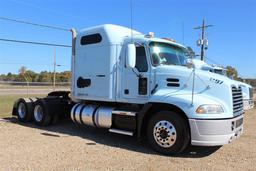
{"x":98,"y":73}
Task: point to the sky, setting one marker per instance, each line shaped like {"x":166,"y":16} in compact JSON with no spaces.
{"x":232,"y":39}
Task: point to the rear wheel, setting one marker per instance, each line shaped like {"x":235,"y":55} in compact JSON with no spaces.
{"x":42,"y":116}
{"x":168,"y":133}
{"x":24,"y":110}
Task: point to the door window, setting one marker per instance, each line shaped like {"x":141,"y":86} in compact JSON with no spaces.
{"x":141,"y":59}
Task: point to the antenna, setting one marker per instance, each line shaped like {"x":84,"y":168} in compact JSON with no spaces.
{"x":54,"y":69}
{"x":203,"y":42}
{"x":183,"y":36}
{"x":131,"y":10}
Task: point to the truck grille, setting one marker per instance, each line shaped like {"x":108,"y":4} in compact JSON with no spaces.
{"x":237,"y":99}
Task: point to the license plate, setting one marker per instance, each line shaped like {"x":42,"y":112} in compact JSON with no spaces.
{"x":239,"y":122}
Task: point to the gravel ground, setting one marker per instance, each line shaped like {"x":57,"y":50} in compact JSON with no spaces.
{"x":70,"y":147}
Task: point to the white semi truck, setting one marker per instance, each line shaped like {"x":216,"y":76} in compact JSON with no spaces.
{"x":138,"y":85}
{"x":247,"y":90}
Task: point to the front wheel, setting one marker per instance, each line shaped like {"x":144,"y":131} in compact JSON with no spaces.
{"x":168,"y":133}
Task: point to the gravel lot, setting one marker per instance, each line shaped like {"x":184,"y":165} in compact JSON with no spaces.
{"x":70,"y":147}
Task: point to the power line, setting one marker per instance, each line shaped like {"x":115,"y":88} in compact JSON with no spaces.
{"x":34,"y":24}
{"x":48,"y":10}
{"x":36,"y":43}
{"x":24,"y":64}
{"x":28,"y":63}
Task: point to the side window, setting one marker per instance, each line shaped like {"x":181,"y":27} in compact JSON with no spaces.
{"x":141,"y":59}
{"x":91,"y":39}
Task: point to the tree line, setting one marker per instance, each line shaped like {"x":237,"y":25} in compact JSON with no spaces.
{"x":232,"y":73}
{"x":25,"y":75}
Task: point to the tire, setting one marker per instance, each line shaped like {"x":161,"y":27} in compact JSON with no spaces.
{"x":168,"y":133}
{"x":55,"y":119}
{"x":25,"y":109}
{"x":41,"y":114}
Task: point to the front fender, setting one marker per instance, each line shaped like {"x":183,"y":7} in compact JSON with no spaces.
{"x":183,"y":100}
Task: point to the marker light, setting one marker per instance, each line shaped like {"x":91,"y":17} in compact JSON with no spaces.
{"x":209,"y":109}
{"x":150,"y":35}
{"x":172,"y":40}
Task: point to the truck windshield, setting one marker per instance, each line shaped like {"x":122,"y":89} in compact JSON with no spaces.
{"x":167,"y":54}
{"x":219,"y":71}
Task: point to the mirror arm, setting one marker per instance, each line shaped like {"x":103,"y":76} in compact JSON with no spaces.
{"x":137,"y":73}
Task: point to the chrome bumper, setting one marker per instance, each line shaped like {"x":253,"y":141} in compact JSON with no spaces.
{"x":215,"y":132}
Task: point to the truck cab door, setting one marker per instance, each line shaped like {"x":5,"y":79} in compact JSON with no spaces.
{"x":135,"y":81}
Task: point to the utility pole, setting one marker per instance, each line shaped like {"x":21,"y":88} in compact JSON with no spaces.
{"x":54,"y":69}
{"x":203,"y":42}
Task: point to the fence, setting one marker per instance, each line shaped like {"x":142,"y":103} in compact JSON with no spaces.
{"x":28,"y":88}
{"x":34,"y":83}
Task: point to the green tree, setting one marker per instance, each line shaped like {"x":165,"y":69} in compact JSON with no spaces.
{"x":24,"y":76}
{"x":232,"y":72}
{"x":31,"y":75}
{"x":64,"y":76}
{"x":45,"y":76}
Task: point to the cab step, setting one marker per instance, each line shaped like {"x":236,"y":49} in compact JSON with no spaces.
{"x":125,"y":113}
{"x":119,"y":131}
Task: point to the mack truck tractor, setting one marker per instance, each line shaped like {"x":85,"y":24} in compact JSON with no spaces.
{"x":247,"y":90}
{"x":138,"y":85}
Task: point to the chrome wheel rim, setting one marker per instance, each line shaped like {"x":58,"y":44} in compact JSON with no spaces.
{"x":22,"y":110}
{"x":38,"y":113}
{"x":165,"y":134}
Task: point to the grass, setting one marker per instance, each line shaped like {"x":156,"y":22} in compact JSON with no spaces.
{"x":7,"y":101}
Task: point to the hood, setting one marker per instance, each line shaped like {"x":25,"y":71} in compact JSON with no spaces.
{"x":184,"y":72}
{"x":179,"y":80}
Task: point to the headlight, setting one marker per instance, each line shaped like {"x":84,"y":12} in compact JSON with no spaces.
{"x":209,"y":109}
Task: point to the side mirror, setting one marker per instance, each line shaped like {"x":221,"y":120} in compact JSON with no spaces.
{"x":130,"y":56}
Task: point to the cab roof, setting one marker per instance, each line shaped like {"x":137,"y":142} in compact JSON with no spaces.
{"x":111,"y":33}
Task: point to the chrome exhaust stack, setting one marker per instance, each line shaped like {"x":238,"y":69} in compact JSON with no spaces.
{"x":74,"y":33}
{"x":73,"y":55}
